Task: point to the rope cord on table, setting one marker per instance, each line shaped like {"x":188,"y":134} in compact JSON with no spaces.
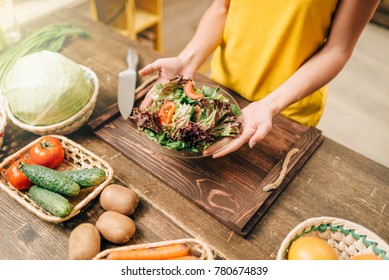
{"x":274,"y":185}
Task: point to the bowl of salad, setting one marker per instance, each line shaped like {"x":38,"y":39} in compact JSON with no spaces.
{"x":184,"y":118}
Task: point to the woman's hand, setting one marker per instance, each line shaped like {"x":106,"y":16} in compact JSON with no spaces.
{"x":257,"y":122}
{"x":167,"y":69}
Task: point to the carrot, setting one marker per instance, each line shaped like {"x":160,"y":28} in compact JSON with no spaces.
{"x":157,"y":253}
{"x":186,"y":258}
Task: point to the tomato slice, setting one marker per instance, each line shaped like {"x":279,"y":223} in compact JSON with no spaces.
{"x":190,"y":91}
{"x":166,"y":112}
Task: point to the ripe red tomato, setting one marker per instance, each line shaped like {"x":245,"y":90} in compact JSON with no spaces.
{"x":47,"y":152}
{"x":190,"y":91}
{"x":16,"y":176}
{"x":27,"y":159}
{"x":166,"y":112}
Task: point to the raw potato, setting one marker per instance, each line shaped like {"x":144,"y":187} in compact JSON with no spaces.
{"x":115,"y":227}
{"x":84,"y":242}
{"x":119,"y":199}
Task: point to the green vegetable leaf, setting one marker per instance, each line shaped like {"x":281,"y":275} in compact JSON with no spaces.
{"x":196,"y":124}
{"x":236,"y":110}
{"x":210,"y":92}
{"x":45,"y":88}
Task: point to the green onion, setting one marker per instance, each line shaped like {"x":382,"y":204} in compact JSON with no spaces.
{"x":51,"y":37}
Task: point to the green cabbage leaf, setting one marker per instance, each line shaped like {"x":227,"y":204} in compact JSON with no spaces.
{"x":45,"y":88}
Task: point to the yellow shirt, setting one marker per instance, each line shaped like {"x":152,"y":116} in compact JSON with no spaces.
{"x":265,"y":42}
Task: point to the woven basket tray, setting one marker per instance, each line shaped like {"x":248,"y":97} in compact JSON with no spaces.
{"x":347,"y":238}
{"x":76,"y":157}
{"x":197,"y":248}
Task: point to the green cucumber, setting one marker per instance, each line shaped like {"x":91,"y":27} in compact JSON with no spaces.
{"x":50,"y":179}
{"x":87,"y":177}
{"x":52,"y":202}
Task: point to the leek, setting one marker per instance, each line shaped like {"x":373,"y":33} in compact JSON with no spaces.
{"x":51,"y":37}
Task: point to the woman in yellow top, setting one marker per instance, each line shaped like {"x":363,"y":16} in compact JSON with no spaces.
{"x":279,"y":54}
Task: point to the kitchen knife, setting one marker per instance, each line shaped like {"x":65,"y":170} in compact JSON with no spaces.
{"x":126,"y":86}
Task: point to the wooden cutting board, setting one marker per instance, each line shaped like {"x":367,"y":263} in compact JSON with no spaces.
{"x":229,"y":188}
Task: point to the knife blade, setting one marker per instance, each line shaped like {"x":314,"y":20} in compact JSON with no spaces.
{"x":127,"y":83}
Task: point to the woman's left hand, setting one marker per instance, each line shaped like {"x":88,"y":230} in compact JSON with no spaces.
{"x":257,"y":122}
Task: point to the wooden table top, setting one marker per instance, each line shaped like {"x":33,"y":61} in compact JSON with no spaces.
{"x":336,"y":181}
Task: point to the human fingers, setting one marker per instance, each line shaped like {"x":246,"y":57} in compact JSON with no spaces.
{"x":259,"y":134}
{"x":234,"y":145}
{"x":217,"y":146}
{"x":167,"y":68}
{"x":148,"y":99}
{"x":150,"y":68}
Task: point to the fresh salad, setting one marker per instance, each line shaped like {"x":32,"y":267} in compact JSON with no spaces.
{"x":183,"y":117}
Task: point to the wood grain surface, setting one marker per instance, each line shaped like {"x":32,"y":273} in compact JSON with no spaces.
{"x":334,"y":181}
{"x":230,"y":188}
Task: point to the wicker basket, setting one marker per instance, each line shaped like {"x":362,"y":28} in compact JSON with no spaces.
{"x":69,"y":125}
{"x":76,"y":157}
{"x":197,"y":248}
{"x":347,"y":238}
{"x":3,"y":123}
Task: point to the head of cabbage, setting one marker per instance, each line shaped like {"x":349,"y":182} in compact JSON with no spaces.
{"x":45,"y":88}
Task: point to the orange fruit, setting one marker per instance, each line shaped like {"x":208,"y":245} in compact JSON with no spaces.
{"x":365,"y":257}
{"x":311,"y":248}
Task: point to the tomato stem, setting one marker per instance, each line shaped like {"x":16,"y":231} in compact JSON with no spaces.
{"x":46,"y":145}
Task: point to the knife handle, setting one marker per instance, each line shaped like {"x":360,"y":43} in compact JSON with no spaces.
{"x":132,"y":59}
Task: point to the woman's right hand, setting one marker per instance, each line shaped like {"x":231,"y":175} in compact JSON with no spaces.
{"x":167,"y":69}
